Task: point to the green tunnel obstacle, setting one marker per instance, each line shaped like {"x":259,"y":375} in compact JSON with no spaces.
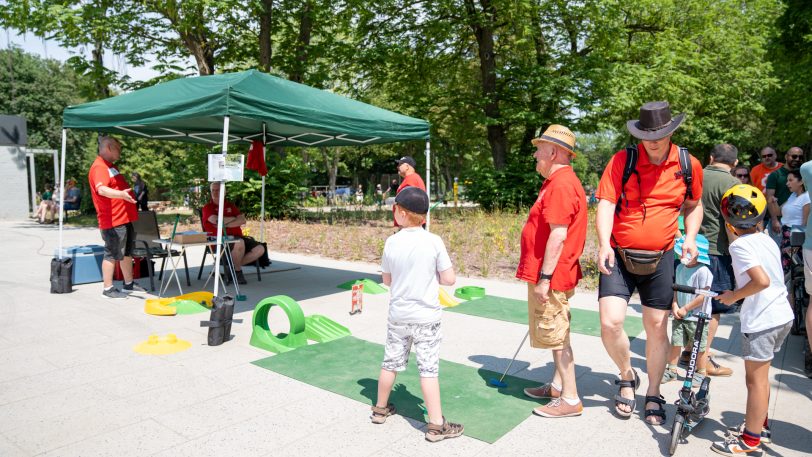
{"x":469,"y":292}
{"x":316,"y":327}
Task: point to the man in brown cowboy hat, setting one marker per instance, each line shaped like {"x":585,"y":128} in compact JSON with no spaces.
{"x":552,"y":242}
{"x":636,"y":224}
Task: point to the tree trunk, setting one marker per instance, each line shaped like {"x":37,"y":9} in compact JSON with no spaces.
{"x":331,"y":158}
{"x":100,"y":78}
{"x":481,"y":23}
{"x":265,"y":45}
{"x":302,"y":42}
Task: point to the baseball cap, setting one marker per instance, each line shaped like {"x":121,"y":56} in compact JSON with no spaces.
{"x":407,"y":159}
{"x":413,"y":199}
{"x":702,"y":246}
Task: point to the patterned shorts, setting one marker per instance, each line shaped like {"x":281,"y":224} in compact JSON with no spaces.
{"x":426,"y":339}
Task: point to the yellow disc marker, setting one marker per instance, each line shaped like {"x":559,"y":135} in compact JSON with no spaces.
{"x":157,"y":346}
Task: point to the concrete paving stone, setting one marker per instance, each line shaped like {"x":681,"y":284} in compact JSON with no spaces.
{"x":26,"y":412}
{"x":416,"y":445}
{"x":9,"y":449}
{"x":194,"y":389}
{"x":31,"y":386}
{"x":194,"y":421}
{"x":353,"y":435}
{"x":143,"y":438}
{"x":110,"y":368}
{"x":73,"y":427}
{"x":258,"y":436}
{"x":19,"y":365}
{"x":206,"y":362}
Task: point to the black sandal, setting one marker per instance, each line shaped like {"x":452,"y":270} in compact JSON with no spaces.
{"x":630,"y":402}
{"x":659,"y":412}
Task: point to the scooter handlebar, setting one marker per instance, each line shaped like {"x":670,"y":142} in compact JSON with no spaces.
{"x":692,"y":290}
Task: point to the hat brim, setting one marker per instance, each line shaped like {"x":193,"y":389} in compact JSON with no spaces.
{"x":562,"y":145}
{"x":633,"y":126}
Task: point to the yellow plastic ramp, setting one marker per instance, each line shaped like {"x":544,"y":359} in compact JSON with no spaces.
{"x":446,"y":299}
{"x":163,"y":306}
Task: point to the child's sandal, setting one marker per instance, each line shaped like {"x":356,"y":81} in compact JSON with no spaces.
{"x":379,"y":415}
{"x":436,"y":433}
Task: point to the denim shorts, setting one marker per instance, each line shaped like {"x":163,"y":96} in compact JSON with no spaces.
{"x":721,"y":267}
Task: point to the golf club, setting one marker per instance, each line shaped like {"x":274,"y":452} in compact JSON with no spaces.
{"x":500,"y":382}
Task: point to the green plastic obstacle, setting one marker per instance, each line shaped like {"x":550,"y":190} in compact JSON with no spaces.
{"x":189,"y":307}
{"x":316,"y":327}
{"x":370,"y":286}
{"x":469,"y":292}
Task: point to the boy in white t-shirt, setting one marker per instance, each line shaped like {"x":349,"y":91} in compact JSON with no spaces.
{"x":766,"y":316}
{"x":414,"y":264}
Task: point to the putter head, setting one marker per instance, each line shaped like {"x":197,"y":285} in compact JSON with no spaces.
{"x":497,"y":383}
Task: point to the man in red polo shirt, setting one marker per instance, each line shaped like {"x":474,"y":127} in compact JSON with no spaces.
{"x":246,"y":250}
{"x":407,"y":169}
{"x":645,"y":218}
{"x":115,"y":210}
{"x":552,"y":241}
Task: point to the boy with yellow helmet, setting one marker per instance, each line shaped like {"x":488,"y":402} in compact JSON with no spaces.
{"x":766,"y":316}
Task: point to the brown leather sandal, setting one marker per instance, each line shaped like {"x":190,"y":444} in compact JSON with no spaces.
{"x":379,"y":415}
{"x":436,"y":433}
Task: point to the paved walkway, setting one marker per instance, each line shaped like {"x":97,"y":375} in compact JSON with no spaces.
{"x":70,"y":383}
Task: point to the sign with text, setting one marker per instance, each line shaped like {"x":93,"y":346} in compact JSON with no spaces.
{"x":226,"y":168}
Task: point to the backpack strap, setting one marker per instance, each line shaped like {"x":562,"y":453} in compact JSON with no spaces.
{"x":628,"y":169}
{"x":686,"y":171}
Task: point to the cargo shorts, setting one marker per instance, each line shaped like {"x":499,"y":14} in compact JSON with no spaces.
{"x":549,"y":322}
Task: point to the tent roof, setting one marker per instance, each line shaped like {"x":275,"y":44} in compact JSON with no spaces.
{"x":192,"y":109}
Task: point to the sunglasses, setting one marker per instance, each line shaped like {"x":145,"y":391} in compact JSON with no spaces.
{"x":742,"y":175}
{"x":766,"y":156}
{"x":796,"y":156}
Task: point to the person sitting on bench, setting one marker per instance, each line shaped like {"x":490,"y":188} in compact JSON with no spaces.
{"x":245,"y":251}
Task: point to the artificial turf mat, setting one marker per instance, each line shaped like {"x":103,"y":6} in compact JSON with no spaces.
{"x":350,"y":367}
{"x":583,"y":321}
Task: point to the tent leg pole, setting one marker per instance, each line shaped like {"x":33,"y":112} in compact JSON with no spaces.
{"x":220,"y":214}
{"x":428,"y":182}
{"x":262,"y":211}
{"x":62,"y":188}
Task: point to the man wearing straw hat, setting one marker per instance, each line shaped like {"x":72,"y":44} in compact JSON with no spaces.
{"x":552,"y":242}
{"x":641,"y":193}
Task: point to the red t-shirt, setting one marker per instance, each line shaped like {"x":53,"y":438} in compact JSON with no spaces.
{"x":413,"y":180}
{"x":759,"y":174}
{"x":649,"y":221}
{"x":561,"y":201}
{"x":111,"y":212}
{"x":229,"y":210}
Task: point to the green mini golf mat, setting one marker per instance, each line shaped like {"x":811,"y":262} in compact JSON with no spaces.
{"x":584,"y":321}
{"x":350,"y":367}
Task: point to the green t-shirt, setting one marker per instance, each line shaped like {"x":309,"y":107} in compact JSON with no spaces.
{"x":778,"y":181}
{"x":715,"y":182}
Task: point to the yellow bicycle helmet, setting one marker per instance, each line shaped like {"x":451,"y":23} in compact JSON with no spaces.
{"x":743,"y":206}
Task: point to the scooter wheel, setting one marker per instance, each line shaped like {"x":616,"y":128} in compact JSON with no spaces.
{"x":676,"y":433}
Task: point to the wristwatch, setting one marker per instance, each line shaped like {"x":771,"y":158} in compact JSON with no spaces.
{"x":543,"y":276}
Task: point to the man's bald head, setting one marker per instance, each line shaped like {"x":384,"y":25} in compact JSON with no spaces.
{"x":109,"y":149}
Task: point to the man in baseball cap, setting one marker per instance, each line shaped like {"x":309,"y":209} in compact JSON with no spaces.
{"x":406,"y":169}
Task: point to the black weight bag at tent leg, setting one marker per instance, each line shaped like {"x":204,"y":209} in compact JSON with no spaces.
{"x":61,"y":276}
{"x":219,"y":323}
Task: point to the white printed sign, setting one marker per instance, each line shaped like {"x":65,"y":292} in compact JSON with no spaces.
{"x":226,"y":168}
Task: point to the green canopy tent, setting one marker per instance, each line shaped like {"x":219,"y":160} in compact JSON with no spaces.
{"x":241,"y":107}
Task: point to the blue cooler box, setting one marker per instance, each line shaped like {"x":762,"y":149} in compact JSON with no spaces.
{"x":87,"y":261}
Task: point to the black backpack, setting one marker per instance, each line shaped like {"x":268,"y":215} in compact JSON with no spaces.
{"x":631,"y":168}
